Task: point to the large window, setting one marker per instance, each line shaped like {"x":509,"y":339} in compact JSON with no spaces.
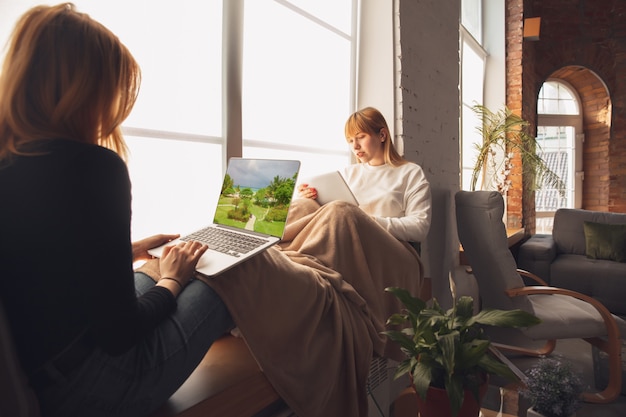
{"x":291,"y":88}
{"x":482,"y":75}
{"x":473,"y":58}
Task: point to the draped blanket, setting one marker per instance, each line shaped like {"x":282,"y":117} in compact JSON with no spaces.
{"x":312,"y":308}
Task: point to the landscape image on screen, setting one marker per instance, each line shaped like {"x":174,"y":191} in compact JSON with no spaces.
{"x":256,"y":195}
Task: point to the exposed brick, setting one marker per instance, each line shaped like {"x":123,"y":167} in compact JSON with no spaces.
{"x":582,"y":43}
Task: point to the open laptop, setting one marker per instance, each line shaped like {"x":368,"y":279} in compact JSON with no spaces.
{"x":253,"y":204}
{"x":331,"y":186}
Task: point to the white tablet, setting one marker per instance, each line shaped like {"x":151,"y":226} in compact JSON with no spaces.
{"x":331,"y":186}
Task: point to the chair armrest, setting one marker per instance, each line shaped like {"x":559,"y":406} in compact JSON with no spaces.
{"x":612,"y":329}
{"x":530,"y":275}
{"x":611,"y":344}
{"x":536,"y":255}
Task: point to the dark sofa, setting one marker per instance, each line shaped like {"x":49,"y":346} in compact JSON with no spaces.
{"x":589,"y":258}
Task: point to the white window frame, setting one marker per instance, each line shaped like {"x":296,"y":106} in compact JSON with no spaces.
{"x":468,"y":41}
{"x":575,"y":121}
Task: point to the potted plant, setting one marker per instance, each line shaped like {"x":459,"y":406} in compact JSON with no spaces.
{"x":503,"y":135}
{"x":553,"y":389}
{"x":449,"y":350}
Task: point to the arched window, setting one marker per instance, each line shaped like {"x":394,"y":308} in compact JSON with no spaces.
{"x":559,"y":135}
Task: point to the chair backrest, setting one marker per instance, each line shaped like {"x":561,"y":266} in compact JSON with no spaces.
{"x":16,"y":397}
{"x":483,"y":236}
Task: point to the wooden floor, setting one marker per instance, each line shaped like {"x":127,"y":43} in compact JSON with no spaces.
{"x":576,"y":351}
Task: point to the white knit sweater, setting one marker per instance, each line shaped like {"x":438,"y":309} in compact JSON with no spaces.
{"x":398,"y":198}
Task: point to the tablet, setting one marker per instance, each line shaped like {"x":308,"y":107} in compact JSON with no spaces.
{"x":331,"y":186}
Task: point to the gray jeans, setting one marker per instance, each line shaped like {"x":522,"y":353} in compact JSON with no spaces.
{"x":136,"y":383}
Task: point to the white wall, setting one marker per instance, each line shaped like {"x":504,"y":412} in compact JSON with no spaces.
{"x":409,"y":69}
{"x":429,"y":119}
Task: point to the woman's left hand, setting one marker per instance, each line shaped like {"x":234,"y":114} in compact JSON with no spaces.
{"x":304,"y":191}
{"x":141,"y":247}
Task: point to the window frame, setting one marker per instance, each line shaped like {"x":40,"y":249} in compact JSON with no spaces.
{"x":467,"y":40}
{"x":576,"y":122}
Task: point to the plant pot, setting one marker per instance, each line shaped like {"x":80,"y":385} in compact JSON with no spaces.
{"x":437,"y":403}
{"x":532,"y":413}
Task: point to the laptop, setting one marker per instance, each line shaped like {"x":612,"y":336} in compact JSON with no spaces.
{"x":331,"y":186}
{"x":252,"y":210}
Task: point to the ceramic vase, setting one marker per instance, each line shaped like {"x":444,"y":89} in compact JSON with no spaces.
{"x":437,"y":403}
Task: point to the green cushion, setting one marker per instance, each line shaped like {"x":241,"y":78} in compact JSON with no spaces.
{"x":605,"y":241}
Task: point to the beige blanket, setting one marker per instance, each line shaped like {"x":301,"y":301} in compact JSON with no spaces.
{"x":312,"y":308}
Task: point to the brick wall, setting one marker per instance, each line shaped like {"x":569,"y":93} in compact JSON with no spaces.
{"x":584,"y":43}
{"x":514,"y":101}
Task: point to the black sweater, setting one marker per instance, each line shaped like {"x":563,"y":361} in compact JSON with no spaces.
{"x":66,"y":255}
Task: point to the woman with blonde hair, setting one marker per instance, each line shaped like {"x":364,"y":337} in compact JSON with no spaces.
{"x":392,"y":190}
{"x":94,"y":337}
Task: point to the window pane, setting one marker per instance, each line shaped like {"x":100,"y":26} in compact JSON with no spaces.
{"x":10,"y":11}
{"x":471,"y":11}
{"x":335,"y":13}
{"x":473,"y":76}
{"x":471,"y":137}
{"x":472,"y":73}
{"x":175,"y":184}
{"x":556,"y":98}
{"x":296,"y":78}
{"x":179,"y":51}
{"x":557,"y":149}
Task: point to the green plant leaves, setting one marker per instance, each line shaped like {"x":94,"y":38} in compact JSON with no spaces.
{"x":412,"y":304}
{"x":506,"y":132}
{"x":449,"y":348}
{"x":506,"y":318}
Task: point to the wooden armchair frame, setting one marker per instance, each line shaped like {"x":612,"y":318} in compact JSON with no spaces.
{"x":611,"y":345}
{"x":501,"y":285}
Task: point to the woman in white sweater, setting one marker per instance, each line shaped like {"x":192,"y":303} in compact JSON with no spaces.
{"x":394,"y":191}
{"x":320,"y":292}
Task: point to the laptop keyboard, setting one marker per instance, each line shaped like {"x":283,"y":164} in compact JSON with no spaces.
{"x":225,"y":241}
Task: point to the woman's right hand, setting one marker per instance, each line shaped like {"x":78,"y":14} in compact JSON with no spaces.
{"x":304,"y":191}
{"x":179,"y":261}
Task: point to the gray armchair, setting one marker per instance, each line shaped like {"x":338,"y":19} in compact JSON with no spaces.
{"x":564,"y":313}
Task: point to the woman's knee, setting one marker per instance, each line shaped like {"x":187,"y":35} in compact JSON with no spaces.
{"x":301,"y":207}
{"x":344,"y":212}
{"x":142,"y":283}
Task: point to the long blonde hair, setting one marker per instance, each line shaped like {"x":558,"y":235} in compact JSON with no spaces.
{"x":65,"y":76}
{"x":372,"y":122}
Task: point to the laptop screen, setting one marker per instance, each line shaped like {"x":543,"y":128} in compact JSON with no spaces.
{"x":256,"y":194}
